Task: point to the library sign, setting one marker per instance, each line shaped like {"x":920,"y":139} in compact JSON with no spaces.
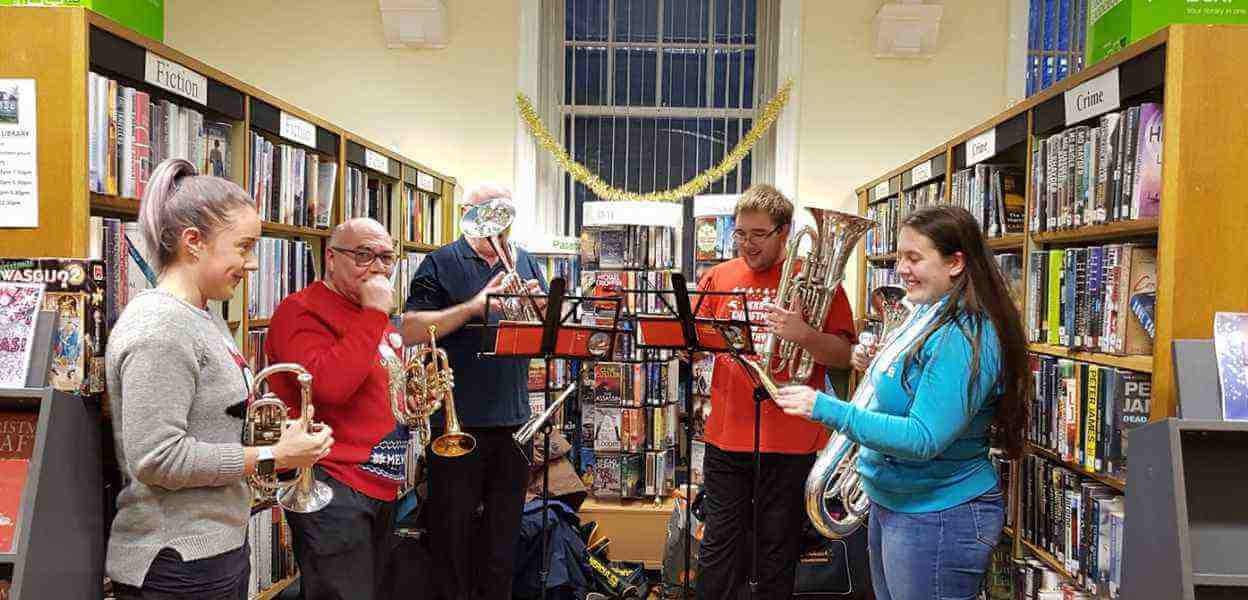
{"x":297,"y":130}
{"x":173,"y":77}
{"x":626,"y":212}
{"x":19,"y":177}
{"x":1092,"y":98}
{"x":921,"y":172}
{"x":981,"y":147}
{"x":376,"y":161}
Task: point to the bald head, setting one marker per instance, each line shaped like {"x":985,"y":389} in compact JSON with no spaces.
{"x":349,"y":233}
{"x":486,"y":191}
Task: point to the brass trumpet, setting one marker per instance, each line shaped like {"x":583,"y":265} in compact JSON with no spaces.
{"x":265,"y":420}
{"x":439,"y":385}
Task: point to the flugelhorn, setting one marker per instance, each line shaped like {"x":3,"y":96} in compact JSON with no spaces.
{"x":835,"y":474}
{"x":488,"y":220}
{"x":809,"y":291}
{"x":265,"y":420}
{"x":440,"y":384}
{"x":535,"y":424}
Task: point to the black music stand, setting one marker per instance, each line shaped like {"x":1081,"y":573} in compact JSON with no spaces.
{"x":690,"y":333}
{"x":548,"y":340}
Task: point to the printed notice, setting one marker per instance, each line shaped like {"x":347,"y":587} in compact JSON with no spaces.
{"x":19,"y":180}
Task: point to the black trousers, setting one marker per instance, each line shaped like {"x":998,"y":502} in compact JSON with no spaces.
{"x":725,"y":554}
{"x":344,"y":549}
{"x":222,"y":577}
{"x":474,"y":556}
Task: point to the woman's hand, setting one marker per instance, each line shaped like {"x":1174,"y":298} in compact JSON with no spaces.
{"x":797,"y":400}
{"x":862,"y":356}
{"x":298,"y":449}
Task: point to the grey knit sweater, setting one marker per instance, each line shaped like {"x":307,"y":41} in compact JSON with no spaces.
{"x":172,"y":372}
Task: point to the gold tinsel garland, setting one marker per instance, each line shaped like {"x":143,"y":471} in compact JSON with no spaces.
{"x":604,"y":190}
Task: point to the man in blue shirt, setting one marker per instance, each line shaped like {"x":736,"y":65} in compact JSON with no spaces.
{"x":491,"y":396}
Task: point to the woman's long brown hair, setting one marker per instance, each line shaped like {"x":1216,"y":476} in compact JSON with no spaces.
{"x":979,"y":292}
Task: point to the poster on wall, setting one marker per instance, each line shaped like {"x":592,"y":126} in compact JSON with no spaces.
{"x":19,"y":181}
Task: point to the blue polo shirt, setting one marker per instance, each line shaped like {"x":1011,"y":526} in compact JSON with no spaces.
{"x":489,"y":392}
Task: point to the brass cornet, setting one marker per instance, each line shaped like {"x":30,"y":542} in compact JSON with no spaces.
{"x":411,"y":403}
{"x":440,"y":386}
{"x":265,"y":420}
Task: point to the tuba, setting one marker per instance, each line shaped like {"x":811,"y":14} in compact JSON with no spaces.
{"x":835,"y":474}
{"x":265,"y":419}
{"x":809,"y":291}
{"x":439,"y":385}
{"x":488,"y":220}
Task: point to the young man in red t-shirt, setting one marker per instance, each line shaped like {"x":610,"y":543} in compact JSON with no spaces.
{"x":339,"y":330}
{"x":788,"y":444}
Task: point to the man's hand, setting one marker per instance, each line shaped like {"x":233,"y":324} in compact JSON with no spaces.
{"x":788,"y":325}
{"x":533,"y":288}
{"x":495,"y":286}
{"x":377,"y":294}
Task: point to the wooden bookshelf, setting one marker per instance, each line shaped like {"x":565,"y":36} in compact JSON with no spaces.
{"x":882,"y":257}
{"x":114,"y":205}
{"x":257,"y":323}
{"x":1099,"y":233}
{"x":274,"y":590}
{"x":417,"y":247}
{"x":1049,"y":560}
{"x":281,"y":229}
{"x":1135,"y":362}
{"x":1201,"y":228}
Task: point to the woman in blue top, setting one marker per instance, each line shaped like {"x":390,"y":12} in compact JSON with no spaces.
{"x":947,"y":384}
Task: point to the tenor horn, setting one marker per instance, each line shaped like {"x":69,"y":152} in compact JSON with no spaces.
{"x":263,"y":425}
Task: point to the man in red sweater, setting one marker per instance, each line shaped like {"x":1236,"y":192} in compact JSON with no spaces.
{"x":788,"y":445}
{"x":339,"y":330}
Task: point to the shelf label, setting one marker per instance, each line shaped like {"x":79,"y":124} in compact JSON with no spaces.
{"x":715,"y":204}
{"x":981,"y":147}
{"x":1092,"y":98}
{"x":297,"y":130}
{"x":173,"y":77}
{"x":602,"y":213}
{"x":376,"y":161}
{"x":921,"y":172}
{"x":881,"y":190}
{"x":425,"y":182}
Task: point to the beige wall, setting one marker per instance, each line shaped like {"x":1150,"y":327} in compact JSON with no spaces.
{"x":450,"y":109}
{"x":862,"y":116}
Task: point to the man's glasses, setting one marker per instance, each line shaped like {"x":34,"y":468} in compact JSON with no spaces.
{"x":364,"y":257}
{"x":754,"y":237}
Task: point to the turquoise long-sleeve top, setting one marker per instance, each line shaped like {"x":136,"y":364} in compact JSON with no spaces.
{"x":927,"y":449}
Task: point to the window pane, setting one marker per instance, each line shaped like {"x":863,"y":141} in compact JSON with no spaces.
{"x":585,"y":71}
{"x":636,"y":20}
{"x":731,"y":68}
{"x":686,"y":21}
{"x":635,"y":79}
{"x":586,"y":20}
{"x":684,"y":77}
{"x":736,"y":21}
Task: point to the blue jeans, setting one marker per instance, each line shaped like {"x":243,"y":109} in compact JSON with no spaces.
{"x":940,"y":555}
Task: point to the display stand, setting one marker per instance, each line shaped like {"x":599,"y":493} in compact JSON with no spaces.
{"x":550,"y":339}
{"x":689,"y":333}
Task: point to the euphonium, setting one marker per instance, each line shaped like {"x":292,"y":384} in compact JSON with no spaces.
{"x":488,"y":220}
{"x":440,"y":385}
{"x":266,"y":417}
{"x":810,"y":290}
{"x":835,"y":474}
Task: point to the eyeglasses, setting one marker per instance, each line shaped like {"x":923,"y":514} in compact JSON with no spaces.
{"x":364,"y":257}
{"x":739,"y":236}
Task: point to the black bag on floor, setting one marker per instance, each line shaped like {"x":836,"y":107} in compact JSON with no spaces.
{"x":833,"y":568}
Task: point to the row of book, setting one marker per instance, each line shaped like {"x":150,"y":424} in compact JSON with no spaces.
{"x":624,"y":429}
{"x":256,"y":356}
{"x":1076,"y":520}
{"x":1027,"y":578}
{"x":553,"y":265}
{"x":629,"y":247}
{"x":639,"y":292}
{"x":421,"y":210}
{"x":366,"y":196}
{"x":630,"y":384}
{"x":1099,"y":298}
{"x":406,"y":268}
{"x":292,"y":185}
{"x":130,"y":132}
{"x":993,"y":194}
{"x":286,"y":266}
{"x":892,"y":212}
{"x":272,"y":554}
{"x":1091,"y":174}
{"x":617,"y":475}
{"x":1082,"y":412}
{"x":712,"y":237}
{"x":560,"y":374}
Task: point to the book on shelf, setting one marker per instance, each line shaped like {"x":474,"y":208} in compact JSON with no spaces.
{"x":628,"y":247}
{"x":1230,"y":340}
{"x":366,"y":195}
{"x":408,"y":263}
{"x":1099,"y":173}
{"x":713,"y":238}
{"x":130,"y":131}
{"x":1097,"y":298}
{"x":17,"y":445}
{"x":421,"y":210}
{"x":1011,"y":266}
{"x":272,"y":554}
{"x":292,"y":185}
{"x":286,"y":266}
{"x":993,"y":194}
{"x":1083,"y":412}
